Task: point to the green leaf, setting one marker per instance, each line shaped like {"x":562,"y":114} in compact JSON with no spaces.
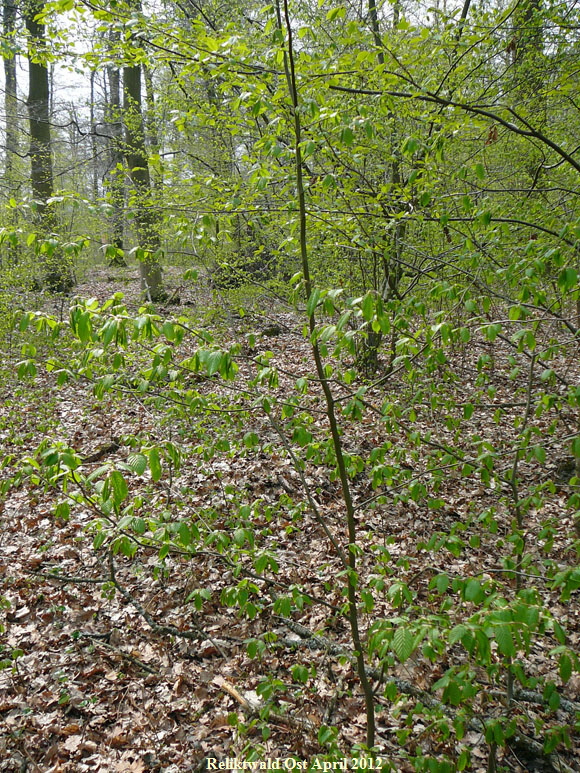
{"x":410,"y":145}
{"x":474,"y":591}
{"x":327,"y":332}
{"x":62,"y":511}
{"x":559,"y":632}
{"x":568,"y":278}
{"x":138,"y":463}
{"x":368,"y":306}
{"x":119,"y":487}
{"x":403,"y":643}
{"x":300,"y":673}
{"x":325,"y":735}
{"x":169,"y":330}
{"x":453,"y":694}
{"x":213,"y":362}
{"x":457,"y":633}
{"x":329,"y":182}
{"x":442,"y":583}
{"x":83,"y":327}
{"x":155,"y":464}
{"x":565,"y":667}
{"x":251,"y":439}
{"x":347,"y":136}
{"x":312,"y":302}
{"x":504,"y":639}
{"x":540,"y":454}
{"x":492,"y":331}
{"x":335,"y":13}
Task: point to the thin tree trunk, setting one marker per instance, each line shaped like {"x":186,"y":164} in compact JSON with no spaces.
{"x":352,"y":593}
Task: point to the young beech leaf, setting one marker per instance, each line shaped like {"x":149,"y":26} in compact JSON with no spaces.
{"x":119,"y":487}
{"x":474,"y":591}
{"x":565,"y":667}
{"x":312,"y":302}
{"x":504,"y":639}
{"x":138,"y":463}
{"x":403,"y":644}
{"x":155,"y":464}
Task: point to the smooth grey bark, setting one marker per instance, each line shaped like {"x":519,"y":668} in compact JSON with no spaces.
{"x":11,"y":113}
{"x":136,"y":156}
{"x":94,"y":150}
{"x":115,"y":174}
{"x":153,"y":133}
{"x":10,"y":93}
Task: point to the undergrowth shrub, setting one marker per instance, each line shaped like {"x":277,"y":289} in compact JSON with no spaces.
{"x":461,"y":639}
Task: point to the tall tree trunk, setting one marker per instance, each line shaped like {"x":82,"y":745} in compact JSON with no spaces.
{"x":153,"y":134}
{"x":10,"y":96}
{"x":41,"y":176}
{"x":10,"y":112}
{"x":116,"y":177}
{"x":94,"y":149}
{"x":57,"y":273}
{"x":146,"y":217}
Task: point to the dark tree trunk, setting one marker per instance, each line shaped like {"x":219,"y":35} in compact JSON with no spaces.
{"x":41,"y":177}
{"x":57,"y":273}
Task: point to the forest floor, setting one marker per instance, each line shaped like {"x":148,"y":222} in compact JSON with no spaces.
{"x":89,"y":685}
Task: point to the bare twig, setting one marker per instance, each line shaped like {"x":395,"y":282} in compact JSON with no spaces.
{"x":196,"y":635}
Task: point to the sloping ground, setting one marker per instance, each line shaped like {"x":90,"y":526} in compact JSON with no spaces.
{"x":111,"y":665}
